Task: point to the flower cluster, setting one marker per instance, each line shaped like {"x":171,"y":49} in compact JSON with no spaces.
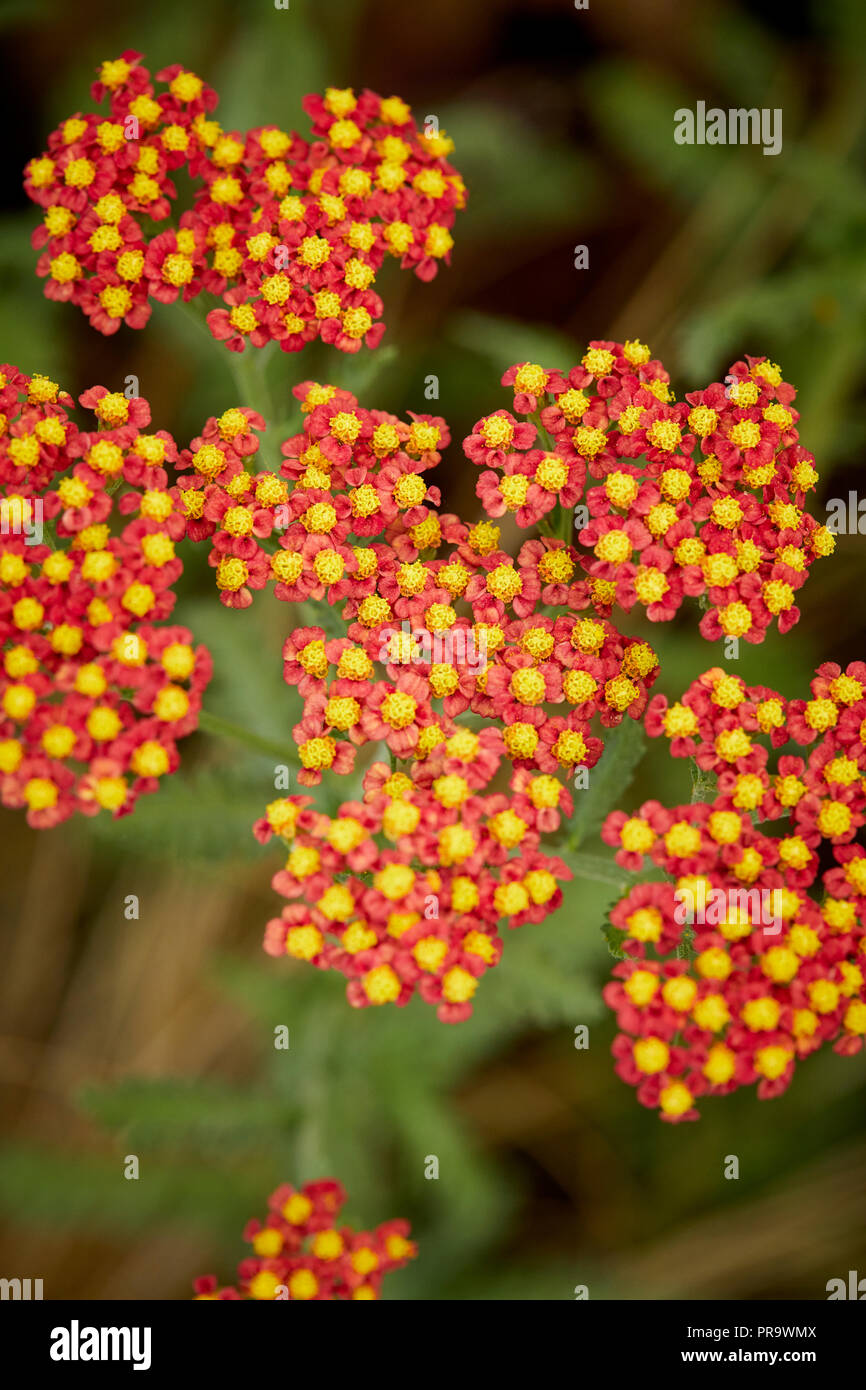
{"x":289,"y":234}
{"x":439,"y":625}
{"x":467,"y":663}
{"x":300,"y":1252}
{"x":404,"y":890}
{"x":438,"y":619}
{"x":703,"y":497}
{"x":96,"y":688}
{"x":751,"y":953}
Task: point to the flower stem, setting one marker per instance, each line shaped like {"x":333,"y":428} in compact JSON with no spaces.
{"x":311,"y":1158}
{"x":567,"y":523}
{"x":249,"y":369}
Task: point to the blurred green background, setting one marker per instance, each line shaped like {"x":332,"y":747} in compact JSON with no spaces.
{"x":155,"y":1037}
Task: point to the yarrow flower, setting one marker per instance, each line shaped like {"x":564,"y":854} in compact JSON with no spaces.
{"x":442,"y":626}
{"x":403,"y":891}
{"x":750,"y":954}
{"x":474,"y":668}
{"x":96,"y":687}
{"x":301,"y":1251}
{"x":487,"y":678}
{"x":438,"y":620}
{"x":288,"y":234}
{"x":439,"y":623}
{"x":701,"y":498}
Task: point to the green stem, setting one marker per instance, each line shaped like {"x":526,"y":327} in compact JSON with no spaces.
{"x":225,"y":728}
{"x":544,"y":440}
{"x":195,"y":313}
{"x":308,"y":613}
{"x":561,"y":523}
{"x":311,"y":1159}
{"x":249,"y":369}
{"x":567,"y":525}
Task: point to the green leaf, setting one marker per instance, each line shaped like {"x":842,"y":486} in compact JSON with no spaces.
{"x":634,"y":106}
{"x":537,"y":984}
{"x":246,"y":645}
{"x":492,"y":146}
{"x":362,"y":372}
{"x":704,"y":784}
{"x":624,"y":747}
{"x":89,"y":1191}
{"x":743,"y":56}
{"x":595,"y":867}
{"x":207,"y":1116}
{"x":614,"y":936}
{"x":201,"y":816}
{"x":263,"y":987}
{"x":463,"y":1211}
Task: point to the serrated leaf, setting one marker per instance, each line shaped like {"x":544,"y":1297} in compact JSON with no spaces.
{"x":705,"y":785}
{"x":535,"y":988}
{"x":614,"y":936}
{"x":624,"y":747}
{"x":90,"y":1192}
{"x":195,"y":816}
{"x":594,"y":867}
{"x":187,"y":1114}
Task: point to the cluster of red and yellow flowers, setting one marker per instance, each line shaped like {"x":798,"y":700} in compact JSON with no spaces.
{"x":289,"y":234}
{"x":438,"y":622}
{"x":300,"y":1253}
{"x":458,"y":657}
{"x":702,"y":497}
{"x":740,"y":962}
{"x":403,"y":890}
{"x":428,"y":635}
{"x":96,"y":688}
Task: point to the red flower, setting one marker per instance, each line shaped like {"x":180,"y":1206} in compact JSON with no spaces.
{"x":300,"y":1253}
{"x":82,"y":621}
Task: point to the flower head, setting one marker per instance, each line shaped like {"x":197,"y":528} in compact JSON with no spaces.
{"x":748,"y":956}
{"x":96,"y":687}
{"x":287,"y":235}
{"x":302,"y":1252}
